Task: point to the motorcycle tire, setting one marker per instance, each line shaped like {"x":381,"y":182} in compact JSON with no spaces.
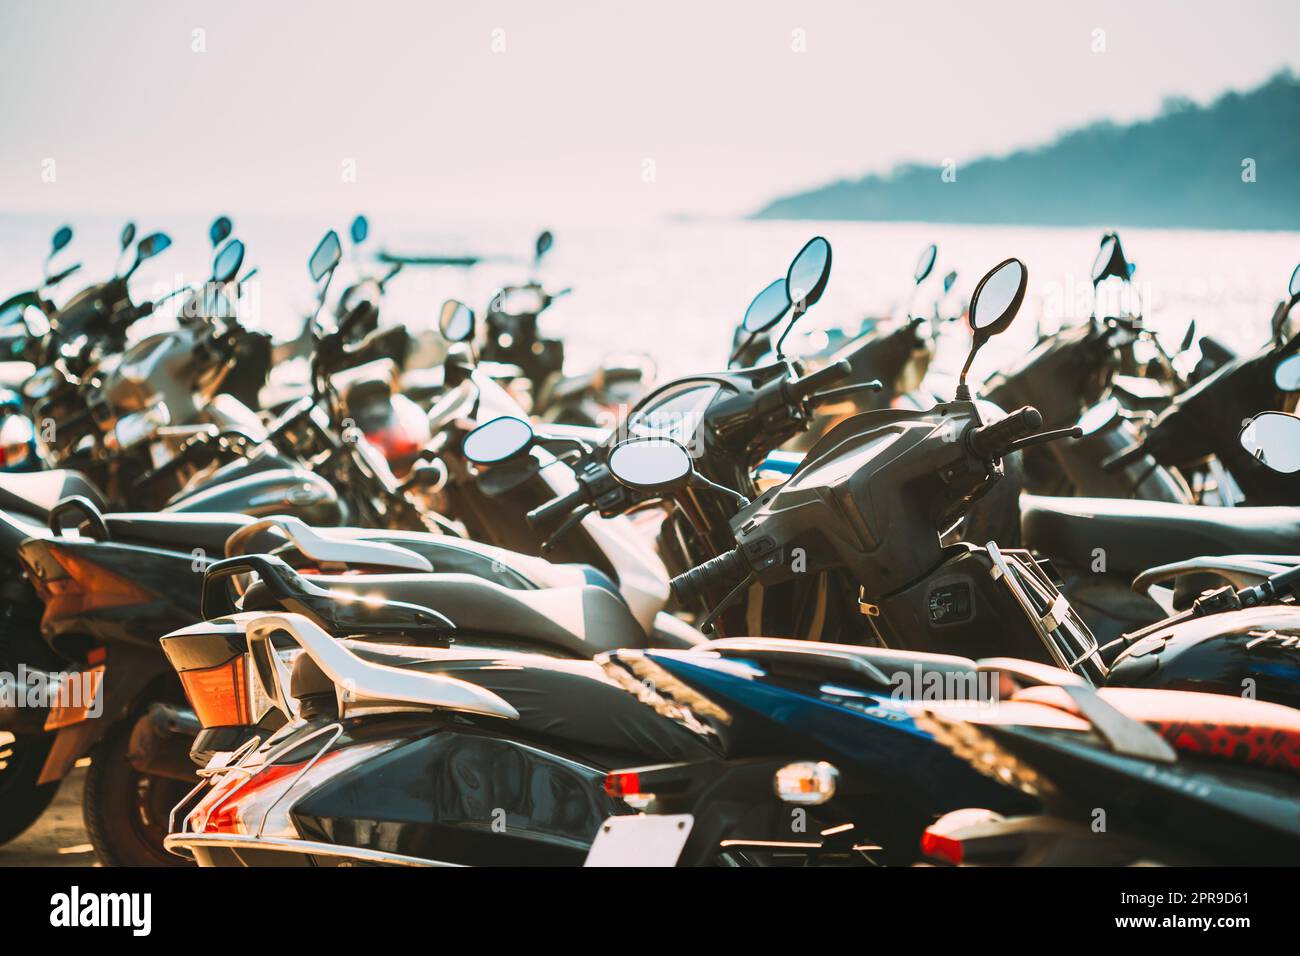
{"x":125,"y":811}
{"x":22,"y":801}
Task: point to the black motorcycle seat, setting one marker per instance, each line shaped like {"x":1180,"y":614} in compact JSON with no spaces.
{"x":556,"y":698}
{"x":1132,"y":536}
{"x":580,"y":621}
{"x":35,"y":493}
{"x":176,"y":532}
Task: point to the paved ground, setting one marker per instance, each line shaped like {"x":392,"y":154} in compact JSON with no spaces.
{"x":57,"y":838}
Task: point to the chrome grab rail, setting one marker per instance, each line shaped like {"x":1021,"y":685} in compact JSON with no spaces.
{"x":327,"y":551}
{"x":361,"y":683}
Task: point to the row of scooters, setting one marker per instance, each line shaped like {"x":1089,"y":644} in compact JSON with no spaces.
{"x":398,"y":619}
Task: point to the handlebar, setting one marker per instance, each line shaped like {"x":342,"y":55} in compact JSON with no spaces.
{"x":545,"y":513}
{"x":803,"y":388}
{"x":991,"y":441}
{"x":726,"y":568}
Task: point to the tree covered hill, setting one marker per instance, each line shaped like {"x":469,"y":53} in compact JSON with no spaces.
{"x":1186,"y":168}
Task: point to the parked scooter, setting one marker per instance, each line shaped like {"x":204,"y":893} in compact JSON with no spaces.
{"x":514,"y":338}
{"x":1182,"y":778}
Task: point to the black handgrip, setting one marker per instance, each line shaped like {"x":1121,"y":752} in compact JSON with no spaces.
{"x":544,"y":514}
{"x":1124,"y":457}
{"x":801,"y":388}
{"x":1280,"y":585}
{"x":724,"y":569}
{"x":989,"y":441}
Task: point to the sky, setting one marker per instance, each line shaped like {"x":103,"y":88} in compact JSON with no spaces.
{"x":572,"y":109}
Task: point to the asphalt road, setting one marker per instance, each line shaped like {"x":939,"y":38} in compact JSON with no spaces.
{"x":57,"y":838}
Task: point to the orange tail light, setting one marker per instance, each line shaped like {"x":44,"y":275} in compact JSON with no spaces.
{"x":87,"y":587}
{"x":219,"y":695}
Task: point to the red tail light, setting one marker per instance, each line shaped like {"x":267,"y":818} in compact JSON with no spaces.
{"x":942,"y":848}
{"x":219,"y":694}
{"x":625,"y":785}
{"x":622,"y":783}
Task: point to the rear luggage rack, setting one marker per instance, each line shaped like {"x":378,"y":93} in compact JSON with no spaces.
{"x":330,"y":553}
{"x":360,"y":683}
{"x":343,"y":614}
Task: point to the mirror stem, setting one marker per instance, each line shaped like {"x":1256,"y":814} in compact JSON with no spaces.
{"x":699,"y":481}
{"x":963,"y":390}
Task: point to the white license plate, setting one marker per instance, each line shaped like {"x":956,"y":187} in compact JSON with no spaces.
{"x":640,"y":840}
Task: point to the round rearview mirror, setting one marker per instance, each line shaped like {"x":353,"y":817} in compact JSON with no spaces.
{"x":1273,"y":438}
{"x":497,"y":440}
{"x":767,"y":308}
{"x":1098,"y":417}
{"x":456,"y":321}
{"x":128,"y":236}
{"x":949,"y":281}
{"x":326,"y":257}
{"x":359,"y":230}
{"x":1287,"y":374}
{"x":220,"y":230}
{"x":1102,"y":262}
{"x":225,"y":266}
{"x":544,"y":243}
{"x":61,"y":239}
{"x":926,"y":262}
{"x":151,"y":245}
{"x":806,"y":279}
{"x":654,"y":463}
{"x":997,"y":298}
{"x":1293,"y":286}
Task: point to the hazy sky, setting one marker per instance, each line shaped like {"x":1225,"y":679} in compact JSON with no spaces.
{"x":566,"y":108}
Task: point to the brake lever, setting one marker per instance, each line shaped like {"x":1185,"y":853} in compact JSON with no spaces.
{"x":1043,"y":438}
{"x":569,"y":523}
{"x":844,"y":391}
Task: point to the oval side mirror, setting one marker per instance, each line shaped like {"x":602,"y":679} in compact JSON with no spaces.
{"x":498,"y":440}
{"x":1286,"y":375}
{"x":653,"y":463}
{"x":326,"y":256}
{"x":127,"y":237}
{"x":456,"y":321}
{"x":543,"y":245}
{"x":225,"y":266}
{"x":926,"y":263}
{"x":809,"y":272}
{"x":60,"y":241}
{"x":148,"y":247}
{"x":1273,"y":439}
{"x":767,"y":308}
{"x":997,"y":299}
{"x":1110,"y":260}
{"x":220,"y":230}
{"x":359,"y":230}
{"x":1293,"y":286}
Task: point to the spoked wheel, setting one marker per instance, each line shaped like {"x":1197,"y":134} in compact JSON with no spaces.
{"x":21,"y":800}
{"x":126,"y":812}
